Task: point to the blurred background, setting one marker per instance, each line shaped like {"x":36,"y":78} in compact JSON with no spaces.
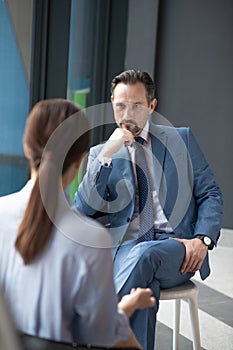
{"x":73,"y":48}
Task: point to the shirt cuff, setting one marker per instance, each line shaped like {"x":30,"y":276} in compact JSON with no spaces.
{"x":105,"y":161}
{"x":123,"y":328}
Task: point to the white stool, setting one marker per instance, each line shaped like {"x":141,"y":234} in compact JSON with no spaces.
{"x":187,"y":291}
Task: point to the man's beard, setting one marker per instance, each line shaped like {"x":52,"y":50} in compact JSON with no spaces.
{"x":131,"y":125}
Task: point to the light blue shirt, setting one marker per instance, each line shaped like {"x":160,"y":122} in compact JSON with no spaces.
{"x":67,"y":293}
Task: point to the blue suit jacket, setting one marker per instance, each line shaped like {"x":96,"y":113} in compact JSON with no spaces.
{"x":188,"y":193}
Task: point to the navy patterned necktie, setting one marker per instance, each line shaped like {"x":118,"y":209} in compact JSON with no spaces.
{"x":146,"y":221}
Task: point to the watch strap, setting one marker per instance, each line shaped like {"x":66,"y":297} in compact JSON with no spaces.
{"x":202,"y":238}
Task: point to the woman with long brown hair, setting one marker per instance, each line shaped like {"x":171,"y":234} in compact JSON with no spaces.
{"x":55,"y":264}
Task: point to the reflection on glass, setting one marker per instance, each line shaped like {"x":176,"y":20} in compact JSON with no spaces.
{"x":15,"y":43}
{"x":81,"y":51}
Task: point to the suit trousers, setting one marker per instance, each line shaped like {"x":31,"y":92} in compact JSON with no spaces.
{"x":152,"y":264}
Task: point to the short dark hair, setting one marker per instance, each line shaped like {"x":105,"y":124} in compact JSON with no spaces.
{"x":135,"y":76}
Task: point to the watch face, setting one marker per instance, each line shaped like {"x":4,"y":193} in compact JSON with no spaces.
{"x":207,"y":241}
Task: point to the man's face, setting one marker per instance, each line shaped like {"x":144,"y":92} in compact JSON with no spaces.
{"x":131,"y":107}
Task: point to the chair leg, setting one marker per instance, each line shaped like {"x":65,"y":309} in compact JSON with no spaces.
{"x":176,"y":322}
{"x":193,"y":309}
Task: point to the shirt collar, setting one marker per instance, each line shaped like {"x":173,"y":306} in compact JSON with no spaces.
{"x":145,"y":132}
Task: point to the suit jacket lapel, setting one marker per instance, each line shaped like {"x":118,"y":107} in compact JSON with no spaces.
{"x":158,"y":145}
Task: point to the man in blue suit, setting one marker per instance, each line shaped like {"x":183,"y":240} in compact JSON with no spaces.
{"x":164,"y":241}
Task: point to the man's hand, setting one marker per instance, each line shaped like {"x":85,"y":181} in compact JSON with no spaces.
{"x":119,"y":137}
{"x":195,"y":254}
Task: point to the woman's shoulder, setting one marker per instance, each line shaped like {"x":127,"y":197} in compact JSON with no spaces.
{"x":80,"y":229}
{"x":77,"y":242}
{"x":13,"y":205}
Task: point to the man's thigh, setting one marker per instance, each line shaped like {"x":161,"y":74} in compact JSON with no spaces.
{"x":160,"y":260}
{"x":166,"y":258}
{"x":120,"y":255}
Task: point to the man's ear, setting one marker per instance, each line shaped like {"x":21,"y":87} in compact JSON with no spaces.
{"x":27,"y":151}
{"x":152,"y":105}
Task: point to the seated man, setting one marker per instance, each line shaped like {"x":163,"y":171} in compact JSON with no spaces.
{"x":163,"y":205}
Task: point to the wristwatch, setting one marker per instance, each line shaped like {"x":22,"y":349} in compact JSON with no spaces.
{"x":207,"y":241}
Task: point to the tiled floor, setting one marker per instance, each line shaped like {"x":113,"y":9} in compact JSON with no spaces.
{"x":215,"y":305}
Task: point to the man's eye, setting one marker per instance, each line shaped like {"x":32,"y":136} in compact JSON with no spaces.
{"x":120,"y":106}
{"x":136,"y":106}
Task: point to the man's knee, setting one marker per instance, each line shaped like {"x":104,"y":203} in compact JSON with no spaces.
{"x":155,"y":253}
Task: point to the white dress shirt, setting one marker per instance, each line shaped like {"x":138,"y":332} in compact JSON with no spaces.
{"x":67,"y":292}
{"x":160,"y":221}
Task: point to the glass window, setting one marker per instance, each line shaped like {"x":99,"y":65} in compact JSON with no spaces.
{"x":15,"y":43}
{"x":81,"y":60}
{"x":80,"y":51}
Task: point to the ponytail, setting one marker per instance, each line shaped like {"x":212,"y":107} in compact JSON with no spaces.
{"x":50,"y":161}
{"x":36,"y":227}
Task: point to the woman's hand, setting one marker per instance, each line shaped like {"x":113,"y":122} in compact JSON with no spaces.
{"x":139,"y":298}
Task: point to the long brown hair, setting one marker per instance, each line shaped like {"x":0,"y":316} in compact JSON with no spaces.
{"x":46,"y":118}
